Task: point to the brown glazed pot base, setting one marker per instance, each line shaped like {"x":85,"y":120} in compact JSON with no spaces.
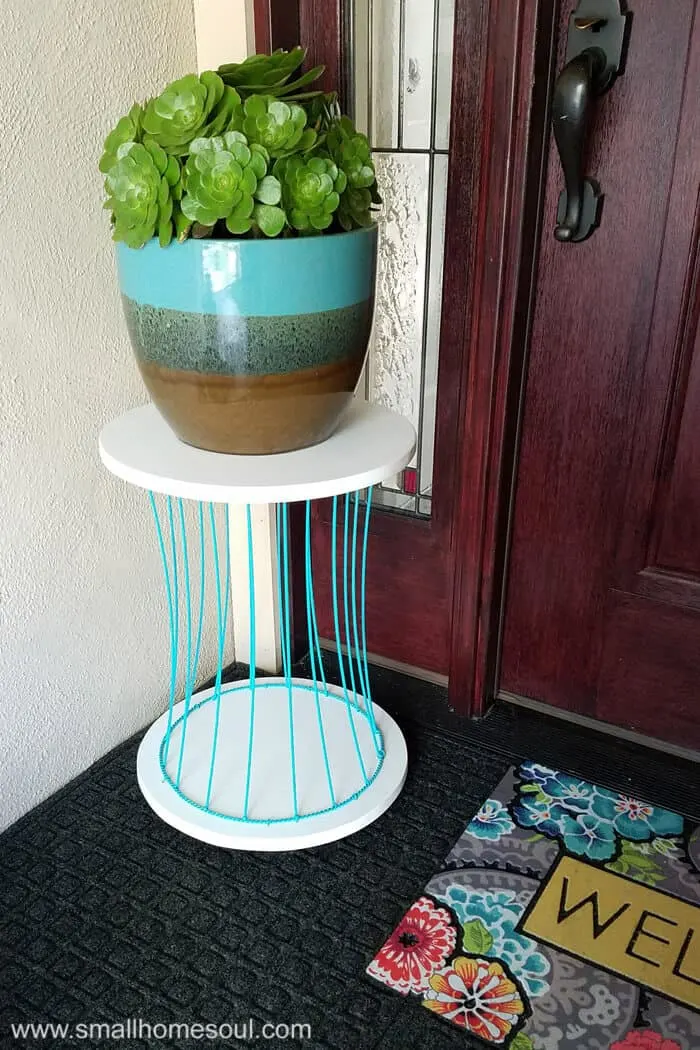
{"x":253,"y":415}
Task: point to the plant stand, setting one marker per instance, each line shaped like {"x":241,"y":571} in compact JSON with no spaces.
{"x":269,"y":763}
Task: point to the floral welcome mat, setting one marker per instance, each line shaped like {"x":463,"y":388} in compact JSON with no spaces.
{"x":567,"y":916}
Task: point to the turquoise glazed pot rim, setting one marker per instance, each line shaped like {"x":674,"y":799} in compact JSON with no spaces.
{"x":196,"y":244}
{"x":253,"y":278}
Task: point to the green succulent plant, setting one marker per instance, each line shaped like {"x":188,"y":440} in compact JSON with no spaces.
{"x":323,"y":111}
{"x":140,"y":188}
{"x":356,"y":208}
{"x":224,"y":177}
{"x":269,"y":75}
{"x":189,"y":108}
{"x":311,"y":189}
{"x":278,"y":126}
{"x":350,"y":150}
{"x":127,"y":130}
{"x":245,"y":151}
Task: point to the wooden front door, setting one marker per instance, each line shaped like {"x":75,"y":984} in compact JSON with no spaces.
{"x":561,"y":560}
{"x":602,"y":605}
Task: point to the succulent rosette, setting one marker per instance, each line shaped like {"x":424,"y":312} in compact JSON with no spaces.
{"x":278,"y":126}
{"x":189,"y":108}
{"x":356,"y":208}
{"x":224,"y":178}
{"x":351,"y":152}
{"x":311,"y":191}
{"x":127,"y":130}
{"x":141,"y":186}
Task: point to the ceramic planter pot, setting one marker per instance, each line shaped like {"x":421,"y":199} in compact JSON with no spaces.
{"x":251,"y":346}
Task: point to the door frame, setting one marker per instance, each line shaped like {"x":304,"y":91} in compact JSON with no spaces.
{"x":498,"y":156}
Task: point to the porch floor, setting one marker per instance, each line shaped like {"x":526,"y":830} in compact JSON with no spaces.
{"x":106,"y":913}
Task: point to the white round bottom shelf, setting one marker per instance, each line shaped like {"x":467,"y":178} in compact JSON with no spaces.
{"x":272,"y":776}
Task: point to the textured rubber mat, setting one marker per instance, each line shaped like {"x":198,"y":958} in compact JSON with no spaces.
{"x":107,"y":914}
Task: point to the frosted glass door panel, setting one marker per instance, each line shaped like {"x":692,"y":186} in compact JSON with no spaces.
{"x":402,"y":73}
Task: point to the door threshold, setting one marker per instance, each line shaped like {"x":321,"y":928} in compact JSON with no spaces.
{"x":601,"y":727}
{"x":392,"y":665}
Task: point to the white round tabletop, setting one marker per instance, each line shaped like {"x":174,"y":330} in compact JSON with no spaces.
{"x":369,"y":446}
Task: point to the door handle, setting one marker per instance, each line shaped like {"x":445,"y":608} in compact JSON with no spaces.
{"x":577,"y":85}
{"x":598,"y":32}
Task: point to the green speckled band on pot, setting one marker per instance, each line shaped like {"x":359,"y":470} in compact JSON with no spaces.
{"x":230,"y":345}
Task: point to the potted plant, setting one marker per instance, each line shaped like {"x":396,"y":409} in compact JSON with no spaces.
{"x":242,"y":205}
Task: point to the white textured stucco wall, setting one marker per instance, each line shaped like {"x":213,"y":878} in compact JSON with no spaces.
{"x":82,"y":618}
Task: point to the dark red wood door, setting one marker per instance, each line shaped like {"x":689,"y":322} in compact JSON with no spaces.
{"x":602,"y":609}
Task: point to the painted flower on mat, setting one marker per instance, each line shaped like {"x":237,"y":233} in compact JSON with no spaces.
{"x":588,"y":836}
{"x":589,"y":821}
{"x":421,"y":944}
{"x":478,"y":995}
{"x":492,"y":822}
{"x":572,"y":792}
{"x":542,"y":813}
{"x":645,"y":1040}
{"x":498,"y":913}
{"x":635,"y":820}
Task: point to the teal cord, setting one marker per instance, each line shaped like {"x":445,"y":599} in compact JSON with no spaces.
{"x":316,"y":641}
{"x":202,"y":578}
{"x":176,"y":605}
{"x":271,"y":820}
{"x":285,"y":630}
{"x":287,"y":640}
{"x":251,"y":600}
{"x":198,"y":644}
{"x":348,"y":644}
{"x":221,"y":620}
{"x":280,"y":591}
{"x":358,"y":677}
{"x":309,"y":623}
{"x":172,"y":618}
{"x":188,"y":620}
{"x":378,"y":738}
{"x":353,"y":593}
{"x":334,"y":584}
{"x":336,"y":626}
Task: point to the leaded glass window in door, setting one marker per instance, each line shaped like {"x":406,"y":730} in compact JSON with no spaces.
{"x":401,"y":76}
